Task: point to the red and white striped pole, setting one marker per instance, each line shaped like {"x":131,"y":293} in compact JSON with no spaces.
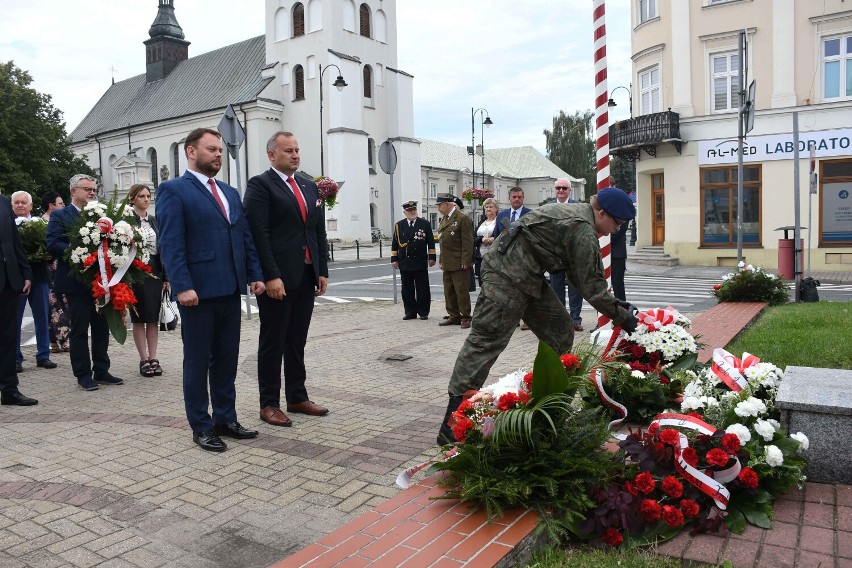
{"x":602,"y":129}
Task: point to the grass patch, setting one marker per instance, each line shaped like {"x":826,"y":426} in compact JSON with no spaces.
{"x":593,"y":558}
{"x":806,"y":334}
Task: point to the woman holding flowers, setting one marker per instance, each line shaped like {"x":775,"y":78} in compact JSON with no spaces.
{"x":485,"y":234}
{"x":149,"y":293}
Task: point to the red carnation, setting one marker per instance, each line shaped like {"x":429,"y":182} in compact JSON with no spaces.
{"x":141,"y":265}
{"x":748,"y":477}
{"x":637,"y":351}
{"x":670,"y":436}
{"x":645,"y":482}
{"x":637,"y":366}
{"x":465,"y":406}
{"x":630,"y":488}
{"x":716,"y":286}
{"x":528,"y":381}
{"x":612,"y":537}
{"x":671,"y":486}
{"x":507,"y":401}
{"x":717,"y":457}
{"x":523,"y":397}
{"x":659,"y":447}
{"x":653,"y":428}
{"x":690,"y":456}
{"x":570,"y":361}
{"x":651,"y":510}
{"x":461,"y":428}
{"x":731,"y":443}
{"x":672,"y":516}
{"x":89,"y":260}
{"x":689,"y":508}
{"x":655,"y":357}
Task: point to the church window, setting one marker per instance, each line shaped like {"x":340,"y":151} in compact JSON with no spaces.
{"x":155,"y":170}
{"x":298,"y":83}
{"x":298,"y":19}
{"x":175,"y":160}
{"x":368,"y":82}
{"x":365,"y":20}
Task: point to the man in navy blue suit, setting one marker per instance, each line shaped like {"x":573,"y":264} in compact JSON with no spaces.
{"x":81,"y":306}
{"x":209,"y":255}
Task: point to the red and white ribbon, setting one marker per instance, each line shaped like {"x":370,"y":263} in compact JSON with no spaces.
{"x":404,"y":478}
{"x":730,"y":369}
{"x":597,"y":379}
{"x":108,"y":278}
{"x":713,"y":484}
{"x":656,"y":318}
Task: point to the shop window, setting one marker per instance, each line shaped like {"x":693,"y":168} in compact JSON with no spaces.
{"x":837,"y":67}
{"x":835,"y":203}
{"x":719,"y":206}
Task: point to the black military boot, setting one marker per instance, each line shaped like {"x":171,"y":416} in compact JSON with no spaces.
{"x":445,"y":434}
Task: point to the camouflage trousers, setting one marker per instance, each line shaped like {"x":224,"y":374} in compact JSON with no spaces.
{"x":498,"y":310}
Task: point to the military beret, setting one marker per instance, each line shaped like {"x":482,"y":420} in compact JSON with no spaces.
{"x":616,"y":203}
{"x":445,"y":198}
{"x":409,"y":205}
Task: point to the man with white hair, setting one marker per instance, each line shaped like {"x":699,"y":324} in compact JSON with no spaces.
{"x":22,"y":205}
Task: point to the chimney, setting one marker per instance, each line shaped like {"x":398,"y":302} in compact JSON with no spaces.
{"x":166,"y":48}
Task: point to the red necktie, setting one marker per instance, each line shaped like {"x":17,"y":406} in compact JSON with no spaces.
{"x":215,"y":189}
{"x":303,"y":208}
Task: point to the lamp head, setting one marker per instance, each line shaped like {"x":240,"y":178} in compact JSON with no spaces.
{"x":488,"y":121}
{"x":339,"y":83}
{"x":611,"y":103}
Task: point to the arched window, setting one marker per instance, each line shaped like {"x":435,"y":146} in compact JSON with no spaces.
{"x":155,"y":169}
{"x":365,"y":21}
{"x":175,"y":161}
{"x":368,"y":82}
{"x":298,"y":83}
{"x":298,"y":19}
{"x":370,"y":153}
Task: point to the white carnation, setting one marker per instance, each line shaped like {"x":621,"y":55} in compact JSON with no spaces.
{"x":773,"y":456}
{"x":802,"y":439}
{"x":637,"y":374}
{"x":750,"y":407}
{"x":691,"y":403}
{"x":740,"y":432}
{"x":765,"y":429}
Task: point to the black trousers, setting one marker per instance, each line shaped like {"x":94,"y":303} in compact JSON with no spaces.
{"x":416,"y":295}
{"x":8,"y":337}
{"x":284,"y":328}
{"x":83,"y":316}
{"x":618,"y":267}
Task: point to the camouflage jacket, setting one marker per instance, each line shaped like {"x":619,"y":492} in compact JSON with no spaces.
{"x":551,"y":238}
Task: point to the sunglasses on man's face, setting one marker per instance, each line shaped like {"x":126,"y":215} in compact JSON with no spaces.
{"x":562,"y":188}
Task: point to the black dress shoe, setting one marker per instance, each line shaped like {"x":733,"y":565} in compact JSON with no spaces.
{"x":424,"y":317}
{"x":46,"y":364}
{"x":17,"y":399}
{"x":408,"y":317}
{"x":234,"y":430}
{"x":19,"y":367}
{"x":109,"y":380}
{"x":208,"y":440}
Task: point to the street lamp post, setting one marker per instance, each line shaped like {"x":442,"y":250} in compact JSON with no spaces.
{"x":610,"y":104}
{"x":339,"y":83}
{"x":483,"y":122}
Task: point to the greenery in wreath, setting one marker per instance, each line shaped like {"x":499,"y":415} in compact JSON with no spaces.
{"x":751,"y":284}
{"x":34,"y":239}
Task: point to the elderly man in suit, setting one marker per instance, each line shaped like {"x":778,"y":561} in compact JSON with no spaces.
{"x":22,"y":205}
{"x":288,"y":225}
{"x":94,"y":371}
{"x":456,"y":230}
{"x":15,"y":279}
{"x":413,"y":253}
{"x":208,"y":253}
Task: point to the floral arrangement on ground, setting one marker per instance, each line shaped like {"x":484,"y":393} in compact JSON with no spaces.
{"x":751,"y":284}
{"x":328,"y":190}
{"x":107,"y":252}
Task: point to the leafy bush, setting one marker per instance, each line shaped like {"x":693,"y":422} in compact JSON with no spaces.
{"x":751,"y":284}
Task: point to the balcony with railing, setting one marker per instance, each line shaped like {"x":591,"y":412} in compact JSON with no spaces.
{"x":628,"y":137}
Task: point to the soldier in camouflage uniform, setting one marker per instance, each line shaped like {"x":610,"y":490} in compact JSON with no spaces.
{"x":550,"y":238}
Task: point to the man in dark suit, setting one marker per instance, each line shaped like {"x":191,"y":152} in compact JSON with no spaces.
{"x":413,"y":253}
{"x":15,"y":279}
{"x":506,"y":217}
{"x":288,"y":225}
{"x":208,"y":253}
{"x":90,"y":372}
{"x":618,"y":257}
{"x":562,"y":187}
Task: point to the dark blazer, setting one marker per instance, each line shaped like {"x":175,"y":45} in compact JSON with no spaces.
{"x":507,"y":215}
{"x":618,"y":241}
{"x":58,"y":240}
{"x":14,"y":267}
{"x":413,"y":247}
{"x":279,"y":232}
{"x":201,"y":250}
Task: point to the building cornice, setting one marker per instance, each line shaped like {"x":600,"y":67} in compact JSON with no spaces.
{"x":726,"y":35}
{"x":831,"y":17}
{"x":648,"y":51}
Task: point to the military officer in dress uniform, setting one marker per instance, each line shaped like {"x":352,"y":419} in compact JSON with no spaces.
{"x":413,"y":253}
{"x":456,"y":234}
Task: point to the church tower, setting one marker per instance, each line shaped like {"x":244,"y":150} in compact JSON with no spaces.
{"x":309,"y":43}
{"x":166,"y":48}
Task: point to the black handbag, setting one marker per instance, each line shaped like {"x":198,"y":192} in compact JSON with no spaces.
{"x":168,"y":313}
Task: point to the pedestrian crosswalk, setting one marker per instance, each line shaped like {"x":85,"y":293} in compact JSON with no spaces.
{"x":655,"y":291}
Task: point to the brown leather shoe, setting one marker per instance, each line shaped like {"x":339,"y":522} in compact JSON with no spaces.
{"x":578,"y":327}
{"x":307,"y":407}
{"x":465,"y":324}
{"x":524,"y":327}
{"x":274,"y":416}
{"x":449,"y":321}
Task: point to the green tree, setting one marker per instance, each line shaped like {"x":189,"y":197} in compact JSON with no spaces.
{"x":622,"y":174}
{"x":571,"y":147}
{"x":35,"y":151}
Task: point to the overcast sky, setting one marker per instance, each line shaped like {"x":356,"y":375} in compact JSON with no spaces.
{"x":522,"y":61}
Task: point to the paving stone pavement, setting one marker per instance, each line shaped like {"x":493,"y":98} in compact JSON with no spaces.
{"x":112,"y":477}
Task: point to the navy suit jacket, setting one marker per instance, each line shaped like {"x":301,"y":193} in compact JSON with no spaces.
{"x":58,"y":240}
{"x":279,"y":232}
{"x":15,"y":268}
{"x":507,"y":215}
{"x":201,"y":250}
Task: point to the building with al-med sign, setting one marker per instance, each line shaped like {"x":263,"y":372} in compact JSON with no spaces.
{"x":683,"y":130}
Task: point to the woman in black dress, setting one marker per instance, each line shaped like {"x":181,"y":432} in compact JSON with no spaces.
{"x":145,"y":315}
